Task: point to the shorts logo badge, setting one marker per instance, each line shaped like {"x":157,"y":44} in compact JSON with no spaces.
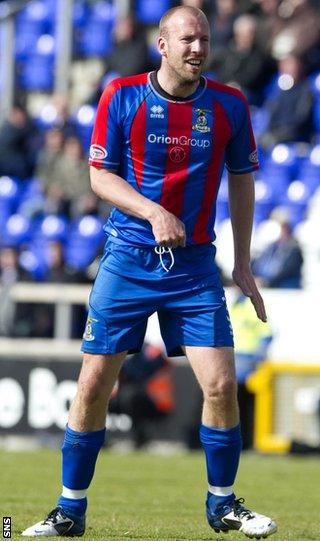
{"x":253,"y":157}
{"x":97,"y":152}
{"x":87,"y":335}
{"x":202,"y":122}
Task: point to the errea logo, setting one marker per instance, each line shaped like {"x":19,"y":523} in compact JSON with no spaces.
{"x":156,"y":111}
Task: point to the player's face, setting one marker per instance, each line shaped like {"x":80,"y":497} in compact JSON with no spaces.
{"x":186,"y":47}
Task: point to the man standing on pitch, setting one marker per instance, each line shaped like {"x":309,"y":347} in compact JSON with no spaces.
{"x":159,"y":146}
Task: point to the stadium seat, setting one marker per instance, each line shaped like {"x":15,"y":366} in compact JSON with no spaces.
{"x":35,"y":18}
{"x":51,"y":228}
{"x":84,"y":119}
{"x":10,"y":192}
{"x":296,"y":201}
{"x":16,"y":231}
{"x":222,"y":210}
{"x":85,"y":238}
{"x":265,"y":201}
{"x":34,"y":264}
{"x":280,"y":168}
{"x":95,"y":38}
{"x":151,"y":11}
{"x":37,"y":72}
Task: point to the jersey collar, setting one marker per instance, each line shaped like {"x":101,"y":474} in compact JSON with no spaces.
{"x":153,"y":80}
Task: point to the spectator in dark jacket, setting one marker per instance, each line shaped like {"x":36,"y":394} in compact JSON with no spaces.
{"x":290,"y":106}
{"x":18,"y":144}
{"x":280,"y":264}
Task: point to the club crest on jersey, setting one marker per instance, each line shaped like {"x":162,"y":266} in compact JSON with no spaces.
{"x":87,"y":335}
{"x":97,"y":152}
{"x":202,"y":122}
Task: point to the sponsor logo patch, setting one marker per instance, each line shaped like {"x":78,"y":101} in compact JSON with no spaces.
{"x":97,"y":152}
{"x":253,"y":157}
{"x":156,"y":111}
{"x":183,"y":140}
{"x":177,"y":154}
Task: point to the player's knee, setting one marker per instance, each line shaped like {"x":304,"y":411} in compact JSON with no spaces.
{"x":222,"y":389}
{"x":91,"y":390}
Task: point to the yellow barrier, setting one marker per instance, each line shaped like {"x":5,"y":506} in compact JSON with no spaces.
{"x":262,"y":384}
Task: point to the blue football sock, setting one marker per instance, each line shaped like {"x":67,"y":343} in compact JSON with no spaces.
{"x":222,"y":447}
{"x":79,"y":455}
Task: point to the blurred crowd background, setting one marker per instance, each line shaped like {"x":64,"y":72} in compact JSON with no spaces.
{"x":50,"y":221}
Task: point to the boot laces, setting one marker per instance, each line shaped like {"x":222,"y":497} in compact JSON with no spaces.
{"x":241,"y":511}
{"x":52,"y":516}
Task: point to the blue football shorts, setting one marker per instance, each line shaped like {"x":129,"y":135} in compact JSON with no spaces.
{"x":132,"y":284}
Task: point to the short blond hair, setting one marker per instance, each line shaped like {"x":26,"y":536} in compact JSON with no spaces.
{"x":163,"y":25}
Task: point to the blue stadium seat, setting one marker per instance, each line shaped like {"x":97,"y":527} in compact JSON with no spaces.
{"x":259,"y":118}
{"x":296,"y":201}
{"x":10,"y":191}
{"x":34,"y":263}
{"x":84,"y":119}
{"x":316,"y":88}
{"x":85,"y":238}
{"x":151,"y":11}
{"x":16,"y":231}
{"x":36,"y":17}
{"x":9,"y":198}
{"x":222,"y":210}
{"x":95,"y":38}
{"x":309,"y":174}
{"x":50,"y":228}
{"x":265,"y":201}
{"x":280,"y":168}
{"x":37,"y":72}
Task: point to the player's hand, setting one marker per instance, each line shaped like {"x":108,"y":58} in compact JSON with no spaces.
{"x":245,"y":280}
{"x":168,"y":230}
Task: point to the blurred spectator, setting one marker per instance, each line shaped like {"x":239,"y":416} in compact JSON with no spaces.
{"x":58,"y":272}
{"x":290,"y":106}
{"x":222,"y":29}
{"x":130,"y":53}
{"x":204,"y":5}
{"x":244,"y":63}
{"x":297,"y":31}
{"x":64,"y":175}
{"x":145,"y":391}
{"x":280,"y":264}
{"x":61,"y":116}
{"x":48,"y":157}
{"x":19,"y":140}
{"x":252,"y":339}
{"x":14,"y":318}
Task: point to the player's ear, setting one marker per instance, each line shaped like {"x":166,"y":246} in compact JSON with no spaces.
{"x":162,"y":46}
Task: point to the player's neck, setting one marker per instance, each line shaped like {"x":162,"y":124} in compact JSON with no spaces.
{"x":175,"y":87}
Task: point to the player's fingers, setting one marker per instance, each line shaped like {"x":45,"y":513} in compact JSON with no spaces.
{"x":259,"y":306}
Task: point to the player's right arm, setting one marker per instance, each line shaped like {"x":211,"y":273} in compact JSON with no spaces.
{"x":168,"y":230}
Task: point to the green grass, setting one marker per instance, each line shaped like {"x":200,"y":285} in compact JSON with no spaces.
{"x":146,"y":497}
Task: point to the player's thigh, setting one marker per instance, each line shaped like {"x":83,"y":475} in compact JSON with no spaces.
{"x":100,"y":371}
{"x":214,"y":367}
{"x":199,"y":318}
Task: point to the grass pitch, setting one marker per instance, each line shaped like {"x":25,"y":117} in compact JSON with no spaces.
{"x":147,"y":497}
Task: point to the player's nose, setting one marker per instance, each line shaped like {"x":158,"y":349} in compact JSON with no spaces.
{"x":197,"y":47}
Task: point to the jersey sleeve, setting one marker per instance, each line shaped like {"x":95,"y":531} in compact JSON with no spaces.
{"x":241,"y":151}
{"x":105,"y":149}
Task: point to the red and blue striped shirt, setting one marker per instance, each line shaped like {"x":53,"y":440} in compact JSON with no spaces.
{"x":171,"y":150}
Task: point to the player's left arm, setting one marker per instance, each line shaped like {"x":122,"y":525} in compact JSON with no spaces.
{"x":241,"y":203}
